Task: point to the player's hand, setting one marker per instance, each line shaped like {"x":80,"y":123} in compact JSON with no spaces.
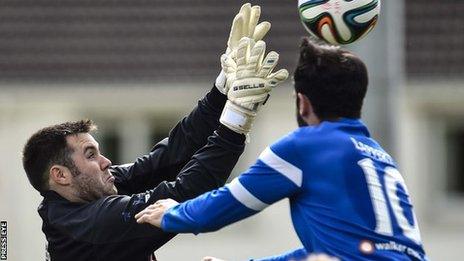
{"x":154,"y":213}
{"x":245,"y":24}
{"x":253,"y":80}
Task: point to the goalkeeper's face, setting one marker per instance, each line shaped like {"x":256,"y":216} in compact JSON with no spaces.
{"x":91,"y":178}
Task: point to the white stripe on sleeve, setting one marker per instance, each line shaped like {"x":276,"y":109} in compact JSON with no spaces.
{"x":244,"y":196}
{"x":280,"y":165}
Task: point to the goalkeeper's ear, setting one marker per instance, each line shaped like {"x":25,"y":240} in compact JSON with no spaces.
{"x":59,"y":175}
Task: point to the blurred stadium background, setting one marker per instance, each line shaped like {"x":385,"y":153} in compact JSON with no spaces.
{"x":136,"y":67}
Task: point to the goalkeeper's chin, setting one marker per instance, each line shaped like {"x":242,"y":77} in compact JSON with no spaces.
{"x":110,"y":189}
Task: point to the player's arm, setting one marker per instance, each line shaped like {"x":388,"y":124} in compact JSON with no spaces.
{"x":208,"y":169}
{"x":211,"y":165}
{"x":168,"y":157}
{"x":276,"y":175}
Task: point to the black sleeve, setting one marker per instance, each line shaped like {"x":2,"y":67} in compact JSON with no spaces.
{"x":168,"y":157}
{"x":111,"y":219}
{"x":208,"y":169}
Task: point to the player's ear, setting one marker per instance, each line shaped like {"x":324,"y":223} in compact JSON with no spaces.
{"x":60,"y":175}
{"x":304,"y":106}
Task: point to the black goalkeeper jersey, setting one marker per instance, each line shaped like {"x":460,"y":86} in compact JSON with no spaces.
{"x":192,"y":160}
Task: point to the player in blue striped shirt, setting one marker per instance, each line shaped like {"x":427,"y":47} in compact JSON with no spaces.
{"x":347,"y":197}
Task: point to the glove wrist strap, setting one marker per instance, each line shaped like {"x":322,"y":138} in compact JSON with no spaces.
{"x":237,"y":118}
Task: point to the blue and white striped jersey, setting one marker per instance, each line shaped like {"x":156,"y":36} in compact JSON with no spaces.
{"x":347,"y":197}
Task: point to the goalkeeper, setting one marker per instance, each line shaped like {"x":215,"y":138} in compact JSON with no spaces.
{"x":89,"y":206}
{"x":347,"y":198}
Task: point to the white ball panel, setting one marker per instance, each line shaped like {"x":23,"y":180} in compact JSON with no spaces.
{"x":313,"y":12}
{"x":327,"y":34}
{"x":366,"y":17}
{"x":341,"y":27}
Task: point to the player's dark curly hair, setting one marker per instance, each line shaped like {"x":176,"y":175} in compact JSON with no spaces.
{"x":334,"y":80}
{"x":48,"y":147}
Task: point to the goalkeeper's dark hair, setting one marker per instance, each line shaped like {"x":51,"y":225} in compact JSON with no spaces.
{"x":48,"y":147}
{"x":334,"y":80}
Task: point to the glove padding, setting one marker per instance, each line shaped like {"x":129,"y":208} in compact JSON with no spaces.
{"x":245,"y":24}
{"x":252,"y":81}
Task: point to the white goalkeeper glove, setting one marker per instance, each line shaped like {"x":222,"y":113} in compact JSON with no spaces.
{"x":245,"y":24}
{"x":252,"y":81}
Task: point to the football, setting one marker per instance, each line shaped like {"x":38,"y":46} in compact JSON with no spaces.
{"x":339,"y":22}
